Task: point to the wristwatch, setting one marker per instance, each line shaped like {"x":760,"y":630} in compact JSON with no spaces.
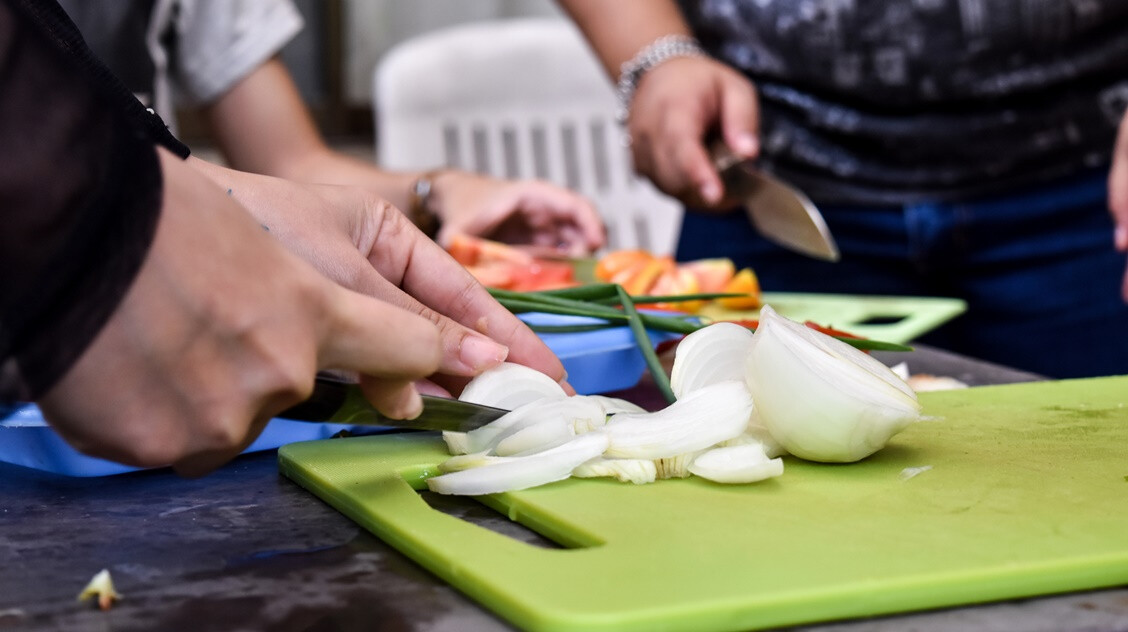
{"x":419,"y":210}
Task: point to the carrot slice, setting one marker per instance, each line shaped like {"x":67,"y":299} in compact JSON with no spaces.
{"x":745,"y":282}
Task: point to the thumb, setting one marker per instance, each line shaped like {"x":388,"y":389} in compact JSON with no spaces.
{"x":1118,"y":188}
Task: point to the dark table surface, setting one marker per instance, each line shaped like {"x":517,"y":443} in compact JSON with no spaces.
{"x":246,"y":549}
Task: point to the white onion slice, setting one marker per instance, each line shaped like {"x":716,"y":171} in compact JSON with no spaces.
{"x":822,"y":399}
{"x":467,"y":461}
{"x":675,"y":466}
{"x":456,"y":442}
{"x":699,"y":420}
{"x":757,"y":432}
{"x":510,"y":385}
{"x":612,"y":405}
{"x":637,"y":471}
{"x":712,"y":354}
{"x":575,"y":412}
{"x":535,"y":437}
{"x":745,"y":463}
{"x":502,"y":474}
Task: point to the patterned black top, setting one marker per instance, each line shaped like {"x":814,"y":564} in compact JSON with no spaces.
{"x":874,"y":101}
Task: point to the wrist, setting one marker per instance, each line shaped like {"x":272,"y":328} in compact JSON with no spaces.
{"x":653,"y":54}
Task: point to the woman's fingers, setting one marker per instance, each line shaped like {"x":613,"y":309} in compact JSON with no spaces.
{"x":374,"y":338}
{"x":414,"y":273}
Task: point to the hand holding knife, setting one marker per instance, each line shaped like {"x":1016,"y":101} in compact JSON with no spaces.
{"x":339,"y":402}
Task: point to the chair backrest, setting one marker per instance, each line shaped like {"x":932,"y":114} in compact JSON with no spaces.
{"x":518,"y":98}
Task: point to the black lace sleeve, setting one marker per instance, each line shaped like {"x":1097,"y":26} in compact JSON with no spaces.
{"x":80,"y":193}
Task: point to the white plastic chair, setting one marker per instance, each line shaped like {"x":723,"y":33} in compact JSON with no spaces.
{"x":518,"y":98}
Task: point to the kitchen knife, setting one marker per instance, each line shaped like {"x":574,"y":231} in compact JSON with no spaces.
{"x":339,"y":402}
{"x":779,"y":211}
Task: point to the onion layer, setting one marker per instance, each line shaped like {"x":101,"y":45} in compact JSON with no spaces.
{"x":699,"y":420}
{"x":509,"y":385}
{"x":746,"y":463}
{"x":501,"y":474}
{"x":712,"y":354}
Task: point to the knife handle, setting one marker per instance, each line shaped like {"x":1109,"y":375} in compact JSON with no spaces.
{"x":326,"y":400}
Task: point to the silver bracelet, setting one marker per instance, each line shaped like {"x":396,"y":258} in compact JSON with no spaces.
{"x":660,"y":50}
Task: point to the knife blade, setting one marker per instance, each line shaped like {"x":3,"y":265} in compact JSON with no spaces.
{"x":779,"y":211}
{"x":339,"y":402}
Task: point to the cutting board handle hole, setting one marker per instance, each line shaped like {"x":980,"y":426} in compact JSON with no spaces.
{"x":476,"y":513}
{"x":879,"y":319}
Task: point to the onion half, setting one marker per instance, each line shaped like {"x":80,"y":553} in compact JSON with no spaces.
{"x":822,"y":399}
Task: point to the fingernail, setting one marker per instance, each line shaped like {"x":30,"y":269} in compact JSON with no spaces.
{"x":414,"y":405}
{"x":480,"y":353}
{"x":711,"y":192}
{"x":563,"y":382}
{"x":747,"y":144}
{"x":1120,"y":237}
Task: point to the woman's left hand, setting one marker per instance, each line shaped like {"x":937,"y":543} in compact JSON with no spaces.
{"x":535,"y":214}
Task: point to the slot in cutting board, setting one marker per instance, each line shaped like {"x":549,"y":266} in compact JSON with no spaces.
{"x":1027,"y":495}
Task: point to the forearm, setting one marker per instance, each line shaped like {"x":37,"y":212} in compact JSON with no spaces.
{"x":335,"y":167}
{"x":618,"y":30}
{"x":263,"y":126}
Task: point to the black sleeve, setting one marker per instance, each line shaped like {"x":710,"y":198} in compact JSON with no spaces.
{"x":80,"y":194}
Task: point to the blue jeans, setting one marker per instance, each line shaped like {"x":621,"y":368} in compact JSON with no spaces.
{"x":1038,"y":270}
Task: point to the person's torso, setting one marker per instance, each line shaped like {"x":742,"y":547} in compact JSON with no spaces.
{"x":919,"y":98}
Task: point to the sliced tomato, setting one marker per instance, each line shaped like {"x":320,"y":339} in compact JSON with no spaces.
{"x":542,"y":275}
{"x":613,"y":263}
{"x":643,"y":280}
{"x":831,"y":331}
{"x":675,"y":281}
{"x":712,"y":274}
{"x":495,"y":274}
{"x":469,"y":250}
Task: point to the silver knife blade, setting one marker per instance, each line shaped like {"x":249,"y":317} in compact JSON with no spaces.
{"x":779,"y":211}
{"x":339,"y":402}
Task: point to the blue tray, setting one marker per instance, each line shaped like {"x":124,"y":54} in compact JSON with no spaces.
{"x":596,"y":361}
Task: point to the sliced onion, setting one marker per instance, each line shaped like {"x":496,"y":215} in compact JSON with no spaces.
{"x":456,"y":442}
{"x":637,"y":471}
{"x":535,"y":438}
{"x":822,"y":399}
{"x":757,"y":432}
{"x":675,"y":466}
{"x":745,"y":463}
{"x":510,"y":385}
{"x":571,"y":411}
{"x":612,"y":405}
{"x":503,"y":474}
{"x":712,"y":354}
{"x":697,"y":421}
{"x":467,"y":461}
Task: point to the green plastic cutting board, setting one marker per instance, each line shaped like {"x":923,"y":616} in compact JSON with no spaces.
{"x":888,"y":318}
{"x":1027,"y":495}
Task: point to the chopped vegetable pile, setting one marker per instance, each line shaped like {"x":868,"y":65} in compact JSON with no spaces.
{"x":741,"y":400}
{"x":504,"y":267}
